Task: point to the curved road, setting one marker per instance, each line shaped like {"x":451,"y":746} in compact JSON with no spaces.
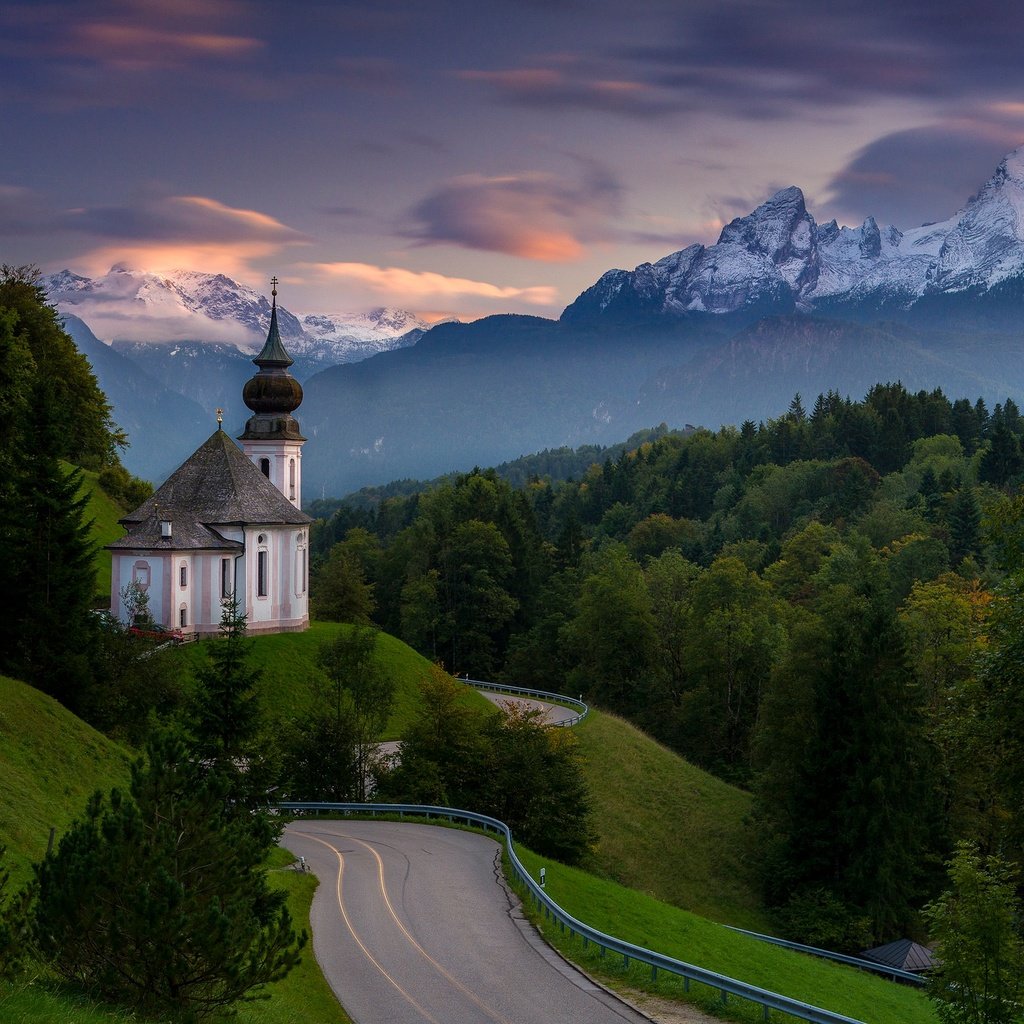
{"x":552,"y":714}
{"x":412,"y":924}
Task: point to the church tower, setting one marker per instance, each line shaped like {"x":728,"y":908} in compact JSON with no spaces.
{"x":272,"y":439}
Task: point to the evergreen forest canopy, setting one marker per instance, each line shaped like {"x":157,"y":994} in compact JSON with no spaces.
{"x":823,"y":608}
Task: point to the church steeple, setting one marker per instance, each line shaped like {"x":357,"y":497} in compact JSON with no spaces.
{"x":272,"y":438}
{"x":273,"y":354}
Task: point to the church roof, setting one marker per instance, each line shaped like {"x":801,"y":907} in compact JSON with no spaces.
{"x":187,"y":534}
{"x":218,"y":484}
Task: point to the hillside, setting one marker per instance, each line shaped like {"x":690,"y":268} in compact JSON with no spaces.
{"x":52,"y":763}
{"x":104,"y":513}
{"x":639,"y":918}
{"x":667,"y":828}
{"x":292,"y":679}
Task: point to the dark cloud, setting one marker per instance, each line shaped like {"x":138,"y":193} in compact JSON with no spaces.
{"x":24,"y":213}
{"x":580,"y":89}
{"x":767,"y":58}
{"x":150,"y":219}
{"x":533,"y":215}
{"x":922,"y":175}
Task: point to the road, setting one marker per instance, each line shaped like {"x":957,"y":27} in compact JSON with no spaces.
{"x":412,"y":923}
{"x":553,"y":714}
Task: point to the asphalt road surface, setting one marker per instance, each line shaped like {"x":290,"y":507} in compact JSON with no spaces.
{"x":412,"y":923}
{"x":553,"y":714}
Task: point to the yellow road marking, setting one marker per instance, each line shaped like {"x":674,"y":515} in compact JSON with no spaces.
{"x":355,"y":936}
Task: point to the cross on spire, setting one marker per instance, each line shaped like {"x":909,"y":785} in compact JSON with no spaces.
{"x":273,"y":289}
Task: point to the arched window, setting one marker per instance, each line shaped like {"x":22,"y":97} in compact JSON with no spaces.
{"x":291,"y":479}
{"x":265,"y":467}
{"x":183,"y":615}
{"x":183,"y":575}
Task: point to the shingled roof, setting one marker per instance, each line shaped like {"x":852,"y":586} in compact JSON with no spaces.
{"x":217,"y":485}
{"x":187,"y":534}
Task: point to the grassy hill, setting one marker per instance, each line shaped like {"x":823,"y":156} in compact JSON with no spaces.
{"x":667,"y":828}
{"x":292,"y":680}
{"x":645,"y":921}
{"x":104,"y":513}
{"x":52,"y":763}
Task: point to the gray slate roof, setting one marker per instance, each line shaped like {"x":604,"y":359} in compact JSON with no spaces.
{"x":902,"y":954}
{"x":187,"y":534}
{"x":217,"y":485}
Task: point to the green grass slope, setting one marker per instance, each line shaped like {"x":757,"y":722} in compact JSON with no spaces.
{"x":104,"y":513}
{"x":291,"y":677}
{"x":51,"y":762}
{"x":645,"y":921}
{"x":667,"y":828}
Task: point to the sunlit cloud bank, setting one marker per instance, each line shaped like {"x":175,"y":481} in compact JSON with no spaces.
{"x":532,"y":215}
{"x":363,"y":284}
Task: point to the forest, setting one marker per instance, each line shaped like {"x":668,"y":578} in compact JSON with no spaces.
{"x":823,"y":608}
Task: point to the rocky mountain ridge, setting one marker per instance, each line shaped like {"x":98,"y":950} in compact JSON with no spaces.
{"x":778,"y":260}
{"x":133,"y":305}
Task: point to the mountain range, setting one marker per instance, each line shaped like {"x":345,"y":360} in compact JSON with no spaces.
{"x":706,"y":335}
{"x":132,"y":306}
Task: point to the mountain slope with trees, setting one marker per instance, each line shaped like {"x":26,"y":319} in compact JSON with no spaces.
{"x":766,"y":601}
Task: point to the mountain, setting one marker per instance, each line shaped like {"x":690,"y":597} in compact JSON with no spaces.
{"x":709,"y":335}
{"x":706,"y":335}
{"x":128,"y":304}
{"x":163,"y":426}
{"x":778,"y":259}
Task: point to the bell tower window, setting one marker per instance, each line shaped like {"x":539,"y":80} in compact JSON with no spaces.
{"x":265,"y":467}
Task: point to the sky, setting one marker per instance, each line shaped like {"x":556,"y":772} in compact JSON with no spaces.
{"x":469,"y":157}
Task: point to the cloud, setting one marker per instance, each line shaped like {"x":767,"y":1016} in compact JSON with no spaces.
{"x":562,"y":88}
{"x":127,"y":34}
{"x":365,"y":283}
{"x":923,"y":174}
{"x":532,"y":215}
{"x":757,"y":59}
{"x":189,"y":219}
{"x":157,"y":232}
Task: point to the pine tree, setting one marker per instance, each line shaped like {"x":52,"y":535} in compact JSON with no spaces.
{"x":964,"y":526}
{"x":48,"y":573}
{"x":157,"y":900}
{"x":225,"y":715}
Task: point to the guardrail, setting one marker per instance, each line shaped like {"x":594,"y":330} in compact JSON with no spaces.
{"x":826,"y":954}
{"x":582,"y":710}
{"x":552,"y":911}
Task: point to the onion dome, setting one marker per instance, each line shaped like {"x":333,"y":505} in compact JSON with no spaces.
{"x":273,"y":393}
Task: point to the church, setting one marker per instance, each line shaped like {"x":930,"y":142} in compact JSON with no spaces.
{"x":229,"y":520}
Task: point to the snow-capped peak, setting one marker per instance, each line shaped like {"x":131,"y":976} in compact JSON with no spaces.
{"x":778,"y":258}
{"x":132,"y":304}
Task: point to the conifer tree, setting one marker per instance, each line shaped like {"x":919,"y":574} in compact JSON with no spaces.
{"x":225,"y":718}
{"x":48,"y":573}
{"x":157,"y":899}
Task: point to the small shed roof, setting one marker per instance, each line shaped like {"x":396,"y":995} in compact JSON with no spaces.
{"x":903,"y":954}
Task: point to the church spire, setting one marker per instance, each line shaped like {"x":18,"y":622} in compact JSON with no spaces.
{"x":273,"y":394}
{"x":273,"y":354}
